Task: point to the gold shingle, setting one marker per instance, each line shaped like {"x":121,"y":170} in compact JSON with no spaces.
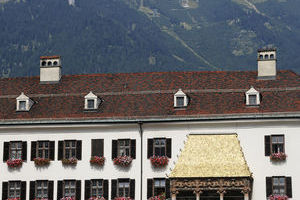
{"x":211,"y":156}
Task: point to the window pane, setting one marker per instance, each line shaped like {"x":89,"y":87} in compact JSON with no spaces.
{"x":22,"y":105}
{"x":180,"y":101}
{"x":90,"y":104}
{"x":252,"y":99}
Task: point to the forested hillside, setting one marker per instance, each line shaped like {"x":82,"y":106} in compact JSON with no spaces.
{"x":108,"y":36}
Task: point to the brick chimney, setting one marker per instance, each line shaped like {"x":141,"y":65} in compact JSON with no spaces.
{"x":50,"y":69}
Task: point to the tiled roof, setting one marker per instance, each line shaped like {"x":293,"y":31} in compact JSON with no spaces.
{"x":149,"y":95}
{"x":211,"y":156}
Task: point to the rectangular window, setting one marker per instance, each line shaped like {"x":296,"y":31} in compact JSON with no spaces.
{"x":96,"y":188}
{"x":22,"y":105}
{"x":252,"y":100}
{"x":15,"y":150}
{"x":179,"y":101}
{"x":69,"y":188}
{"x":69,"y":149}
{"x":41,"y":189}
{"x":124,"y":147}
{"x":159,"y":147}
{"x":91,"y":104}
{"x":279,"y":185}
{"x":123,"y":188}
{"x":97,"y":147}
{"x":277,"y":143}
{"x":14,"y":189}
{"x":42,"y":149}
{"x":159,"y":186}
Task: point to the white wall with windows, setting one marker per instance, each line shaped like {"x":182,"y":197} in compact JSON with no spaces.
{"x":251,"y":134}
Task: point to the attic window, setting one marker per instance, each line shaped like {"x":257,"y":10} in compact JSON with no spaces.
{"x":180,"y":99}
{"x":252,"y":97}
{"x":24,"y":103}
{"x":91,"y":101}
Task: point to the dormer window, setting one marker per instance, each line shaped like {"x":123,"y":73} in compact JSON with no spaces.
{"x":24,"y":103}
{"x":252,"y":97}
{"x":91,"y":101}
{"x":180,"y":99}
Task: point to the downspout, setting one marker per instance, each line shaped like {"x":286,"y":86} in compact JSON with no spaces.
{"x":141,"y":136}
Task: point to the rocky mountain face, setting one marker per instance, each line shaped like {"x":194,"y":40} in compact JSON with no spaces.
{"x":109,"y":36}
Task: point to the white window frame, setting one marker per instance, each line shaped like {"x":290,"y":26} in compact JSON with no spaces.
{"x":181,"y":94}
{"x":91,"y":96}
{"x":251,"y":92}
{"x":26,"y":99}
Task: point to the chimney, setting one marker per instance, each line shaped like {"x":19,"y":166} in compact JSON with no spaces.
{"x":50,"y":69}
{"x":266,"y":63}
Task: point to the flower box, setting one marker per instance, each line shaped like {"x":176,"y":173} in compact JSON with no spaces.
{"x":17,"y":198}
{"x":278,"y":156}
{"x":96,"y":160}
{"x":122,"y":160}
{"x":41,"y":161}
{"x":68,"y":198}
{"x":69,"y":161}
{"x":14,"y":162}
{"x":159,"y":197}
{"x":123,"y":198}
{"x":159,"y":161}
{"x":97,"y":198}
{"x":41,"y":199}
{"x":278,"y":197}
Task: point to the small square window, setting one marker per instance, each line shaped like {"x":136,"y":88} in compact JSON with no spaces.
{"x":252,"y":100}
{"x":22,"y":105}
{"x":91,"y":104}
{"x":70,"y":149}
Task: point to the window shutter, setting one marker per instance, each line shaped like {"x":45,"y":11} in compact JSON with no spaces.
{"x":23,"y":190}
{"x":24,"y":151}
{"x":269,"y":186}
{"x":97,"y":147}
{"x":114,"y":152}
{"x":168,"y":189}
{"x":78,"y":190}
{"x":267,"y":145}
{"x":4,"y":189}
{"x":31,"y":189}
{"x":59,"y":189}
{"x":132,"y":146}
{"x":169,"y":147}
{"x":51,"y":150}
{"x":132,"y":188}
{"x":288,"y":182}
{"x":149,"y":187}
{"x":78,"y":149}
{"x":87,"y":193}
{"x":60,"y":150}
{"x":50,"y":190}
{"x":6,"y":151}
{"x":105,"y":189}
{"x":114,"y":183}
{"x":150,"y":148}
{"x":33,"y":151}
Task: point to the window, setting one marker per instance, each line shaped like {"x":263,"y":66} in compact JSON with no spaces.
{"x":42,"y":149}
{"x":15,"y":150}
{"x":252,"y":97}
{"x":274,"y":144}
{"x":69,"y":149}
{"x":24,"y":103}
{"x":97,"y":147}
{"x":266,"y":56}
{"x":123,"y":147}
{"x":160,"y":147}
{"x":272,"y":56}
{"x":97,"y":188}
{"x":158,"y":186}
{"x":123,"y":188}
{"x":69,"y":188}
{"x":41,"y":189}
{"x":14,"y":189}
{"x":261,"y":57}
{"x":279,"y":185}
{"x":180,"y":99}
{"x":91,"y":101}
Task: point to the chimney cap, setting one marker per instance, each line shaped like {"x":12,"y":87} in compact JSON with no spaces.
{"x":49,"y":57}
{"x":264,"y":49}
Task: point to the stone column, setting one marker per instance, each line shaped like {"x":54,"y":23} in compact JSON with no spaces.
{"x":246,"y":192}
{"x":221,"y":191}
{"x":173,"y":194}
{"x":197,"y":192}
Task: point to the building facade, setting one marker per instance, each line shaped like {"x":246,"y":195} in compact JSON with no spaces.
{"x":189,"y":135}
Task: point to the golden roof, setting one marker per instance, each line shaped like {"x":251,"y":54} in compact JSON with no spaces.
{"x":211,"y":156}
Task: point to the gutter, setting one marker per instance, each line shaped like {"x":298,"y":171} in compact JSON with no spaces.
{"x":141,"y":135}
{"x":250,"y":116}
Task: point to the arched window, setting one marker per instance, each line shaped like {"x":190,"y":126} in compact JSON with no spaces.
{"x":261,"y":57}
{"x":272,"y":56}
{"x":55,"y":63}
{"x":266,"y":56}
{"x":49,"y":63}
{"x":44,"y":63}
